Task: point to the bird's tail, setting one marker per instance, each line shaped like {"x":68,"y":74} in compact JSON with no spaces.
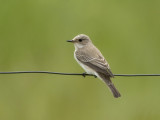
{"x":109,"y":83}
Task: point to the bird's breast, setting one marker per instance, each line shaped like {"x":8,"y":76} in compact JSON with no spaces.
{"x":85,"y":67}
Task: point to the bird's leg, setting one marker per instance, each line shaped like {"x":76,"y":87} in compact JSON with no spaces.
{"x":95,"y":76}
{"x":84,"y":74}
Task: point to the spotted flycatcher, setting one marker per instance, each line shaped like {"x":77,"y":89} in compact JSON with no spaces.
{"x":92,"y":61}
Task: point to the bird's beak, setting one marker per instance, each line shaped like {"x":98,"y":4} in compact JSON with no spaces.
{"x":69,"y":40}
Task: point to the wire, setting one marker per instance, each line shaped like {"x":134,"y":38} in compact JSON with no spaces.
{"x":81,"y":74}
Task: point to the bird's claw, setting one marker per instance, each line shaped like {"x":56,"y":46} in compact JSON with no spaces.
{"x":95,"y":76}
{"x":84,"y":74}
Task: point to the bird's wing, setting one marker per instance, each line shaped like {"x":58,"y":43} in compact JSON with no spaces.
{"x":96,"y":62}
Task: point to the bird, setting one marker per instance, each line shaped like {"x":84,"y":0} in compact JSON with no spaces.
{"x":92,"y":61}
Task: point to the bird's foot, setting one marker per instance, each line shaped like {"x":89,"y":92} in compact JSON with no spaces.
{"x":95,"y":76}
{"x":84,"y":74}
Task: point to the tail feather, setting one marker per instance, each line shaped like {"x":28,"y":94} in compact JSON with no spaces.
{"x":114,"y":91}
{"x":109,"y":83}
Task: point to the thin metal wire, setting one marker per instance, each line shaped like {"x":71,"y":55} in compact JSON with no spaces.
{"x":81,"y":74}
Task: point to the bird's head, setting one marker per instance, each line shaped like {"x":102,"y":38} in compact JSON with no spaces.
{"x":80,"y":40}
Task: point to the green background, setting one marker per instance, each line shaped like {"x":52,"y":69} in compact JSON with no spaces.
{"x":33,"y":36}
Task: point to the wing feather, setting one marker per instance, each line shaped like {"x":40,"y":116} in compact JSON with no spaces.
{"x":96,"y":62}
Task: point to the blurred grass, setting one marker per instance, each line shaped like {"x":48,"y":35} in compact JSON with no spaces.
{"x":33,"y":36}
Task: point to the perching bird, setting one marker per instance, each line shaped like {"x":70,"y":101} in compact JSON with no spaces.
{"x":92,"y":61}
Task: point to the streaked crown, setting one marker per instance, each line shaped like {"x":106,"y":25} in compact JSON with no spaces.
{"x":81,"y":39}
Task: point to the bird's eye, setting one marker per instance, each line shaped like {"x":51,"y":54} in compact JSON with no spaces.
{"x":80,"y":40}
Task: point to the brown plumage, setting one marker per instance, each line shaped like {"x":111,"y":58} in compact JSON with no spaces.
{"x":93,"y":62}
